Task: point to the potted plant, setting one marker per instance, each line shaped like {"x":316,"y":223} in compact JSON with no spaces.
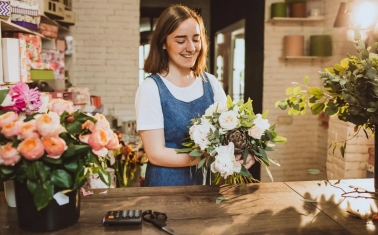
{"x":49,"y":155}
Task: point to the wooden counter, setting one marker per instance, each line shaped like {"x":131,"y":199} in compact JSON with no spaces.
{"x":266,"y":208}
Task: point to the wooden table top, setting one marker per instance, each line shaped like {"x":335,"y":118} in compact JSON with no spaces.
{"x":265,"y":208}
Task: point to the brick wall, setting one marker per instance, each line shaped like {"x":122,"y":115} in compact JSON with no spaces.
{"x":307,"y":140}
{"x":105,"y":59}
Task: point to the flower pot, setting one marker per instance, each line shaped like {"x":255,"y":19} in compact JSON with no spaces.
{"x":298,"y":9}
{"x":52,"y":217}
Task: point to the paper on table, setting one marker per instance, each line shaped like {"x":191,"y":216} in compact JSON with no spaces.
{"x":61,"y":198}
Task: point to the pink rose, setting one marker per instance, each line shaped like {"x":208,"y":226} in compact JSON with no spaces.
{"x":11,"y":129}
{"x":60,"y":105}
{"x":7,"y":118}
{"x":31,"y":148}
{"x":102,"y":122}
{"x":9,"y":155}
{"x":29,"y":129}
{"x":54,"y":146}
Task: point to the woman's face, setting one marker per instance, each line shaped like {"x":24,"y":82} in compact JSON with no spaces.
{"x":183,"y":45}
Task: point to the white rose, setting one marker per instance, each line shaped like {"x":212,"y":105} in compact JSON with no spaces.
{"x":198,"y":133}
{"x":261,"y":123}
{"x":225,"y":162}
{"x":228,"y":120}
{"x":255,"y":132}
{"x":219,"y":107}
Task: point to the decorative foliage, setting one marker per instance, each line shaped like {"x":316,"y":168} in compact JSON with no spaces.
{"x":227,"y":129}
{"x":350,"y":91}
{"x":54,"y":151}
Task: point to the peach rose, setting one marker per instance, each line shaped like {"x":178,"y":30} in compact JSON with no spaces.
{"x":88,"y":125}
{"x":48,"y":124}
{"x":102,"y":122}
{"x":29,"y":129}
{"x":98,"y":139}
{"x":113,"y":142}
{"x":31,"y":148}
{"x":11,"y":129}
{"x":54,"y":146}
{"x":7,"y":118}
{"x":9,"y":154}
{"x":60,"y":105}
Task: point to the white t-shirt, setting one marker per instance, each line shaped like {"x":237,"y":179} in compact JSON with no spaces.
{"x":149,"y":114}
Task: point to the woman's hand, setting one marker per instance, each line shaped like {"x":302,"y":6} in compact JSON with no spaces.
{"x":248,"y":163}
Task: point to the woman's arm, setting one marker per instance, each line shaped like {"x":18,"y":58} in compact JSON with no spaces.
{"x":158,"y":154}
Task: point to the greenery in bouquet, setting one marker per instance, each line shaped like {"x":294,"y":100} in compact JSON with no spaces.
{"x":125,"y":161}
{"x":227,"y":129}
{"x":53,"y":151}
{"x":350,"y":91}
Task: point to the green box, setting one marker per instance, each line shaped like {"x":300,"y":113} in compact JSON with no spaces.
{"x":41,"y":74}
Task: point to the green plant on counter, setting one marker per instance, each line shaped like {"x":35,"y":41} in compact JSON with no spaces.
{"x":350,"y":91}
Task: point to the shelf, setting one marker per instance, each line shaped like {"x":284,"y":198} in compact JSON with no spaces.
{"x":295,"y":20}
{"x":9,"y":26}
{"x":47,"y":20}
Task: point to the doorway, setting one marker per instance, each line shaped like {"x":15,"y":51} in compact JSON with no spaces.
{"x":230,"y":59}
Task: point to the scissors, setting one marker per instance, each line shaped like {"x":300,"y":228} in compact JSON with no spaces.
{"x":158,"y":220}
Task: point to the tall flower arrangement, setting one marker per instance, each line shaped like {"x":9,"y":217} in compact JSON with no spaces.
{"x":228,"y":129}
{"x":54,"y":151}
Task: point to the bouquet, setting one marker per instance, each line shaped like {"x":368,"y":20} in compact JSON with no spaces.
{"x":227,"y":129}
{"x":52,"y":151}
{"x":124,"y":160}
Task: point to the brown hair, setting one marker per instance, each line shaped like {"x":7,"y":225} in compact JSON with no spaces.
{"x":169,"y":20}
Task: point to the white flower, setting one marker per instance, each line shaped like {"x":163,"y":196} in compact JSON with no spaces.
{"x":219,"y":107}
{"x":198,"y":133}
{"x":225,"y":162}
{"x":261,"y":122}
{"x":260,"y":125}
{"x":255,"y":132}
{"x":228,"y":120}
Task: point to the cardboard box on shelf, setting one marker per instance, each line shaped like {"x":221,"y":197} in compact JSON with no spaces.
{"x":48,"y":30}
{"x":66,"y":95}
{"x":81,"y":95}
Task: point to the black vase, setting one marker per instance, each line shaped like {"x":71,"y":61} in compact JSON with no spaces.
{"x":52,"y":217}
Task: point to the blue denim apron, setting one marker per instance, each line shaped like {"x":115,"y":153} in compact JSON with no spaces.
{"x":177,"y":115}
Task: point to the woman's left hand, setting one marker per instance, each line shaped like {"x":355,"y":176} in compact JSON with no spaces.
{"x":248,"y":163}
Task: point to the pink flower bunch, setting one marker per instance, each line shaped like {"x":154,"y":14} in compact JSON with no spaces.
{"x":20,"y":98}
{"x":40,"y":135}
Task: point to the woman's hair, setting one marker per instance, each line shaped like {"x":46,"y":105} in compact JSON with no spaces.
{"x":169,"y":20}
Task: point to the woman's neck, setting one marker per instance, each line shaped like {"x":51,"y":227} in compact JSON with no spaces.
{"x":179,"y":78}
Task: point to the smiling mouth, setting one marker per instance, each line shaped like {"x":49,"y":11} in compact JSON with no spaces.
{"x":187,"y":56}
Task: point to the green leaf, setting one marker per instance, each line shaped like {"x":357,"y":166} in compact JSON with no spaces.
{"x":316,"y":92}
{"x":43,"y":195}
{"x":220,"y":199}
{"x":264,"y":157}
{"x":317,"y":108}
{"x":279,"y":139}
{"x":200,"y":164}
{"x":71,"y":166}
{"x":31,"y":186}
{"x":61,"y":179}
{"x":306,"y":79}
{"x":105,"y":176}
{"x":297,"y":90}
{"x":184,"y":150}
{"x":3,"y":94}
{"x":289,"y":90}
{"x":265,"y":114}
{"x":195,"y":153}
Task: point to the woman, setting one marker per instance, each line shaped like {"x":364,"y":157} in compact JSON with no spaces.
{"x":177,"y":91}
